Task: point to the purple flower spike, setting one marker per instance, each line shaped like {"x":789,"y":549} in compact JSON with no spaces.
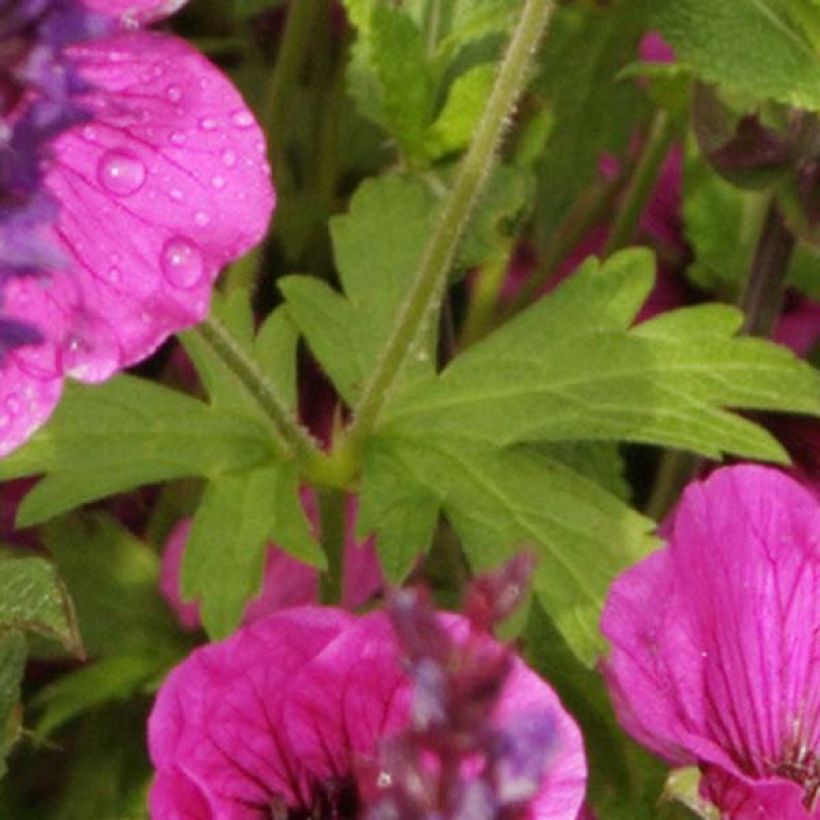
{"x":131,"y":172}
{"x":716,"y":644}
{"x":293,"y":717}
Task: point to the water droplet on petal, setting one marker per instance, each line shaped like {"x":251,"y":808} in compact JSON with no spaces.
{"x":176,"y":194}
{"x":114,"y":275}
{"x":229,"y":159}
{"x":121,"y":173}
{"x":218,"y":183}
{"x":182,"y":263}
{"x":13,"y":404}
{"x":201,"y":218}
{"x":174,"y":93}
{"x":242,"y":119}
{"x":177,"y":137}
{"x":91,"y":351}
{"x":208,"y":123}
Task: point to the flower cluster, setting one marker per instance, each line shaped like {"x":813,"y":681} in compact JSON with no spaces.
{"x":131,"y":171}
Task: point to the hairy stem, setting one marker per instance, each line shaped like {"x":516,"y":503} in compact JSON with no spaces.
{"x":644,"y":175}
{"x":230,"y":352}
{"x":428,"y":285}
{"x":762,"y":298}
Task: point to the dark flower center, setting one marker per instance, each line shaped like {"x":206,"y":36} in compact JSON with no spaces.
{"x":330,"y":800}
{"x":804,"y":768}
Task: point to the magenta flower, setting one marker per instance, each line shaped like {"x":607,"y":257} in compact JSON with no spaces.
{"x":131,"y":171}
{"x":716,"y":643}
{"x":287,"y":582}
{"x":290,"y":717}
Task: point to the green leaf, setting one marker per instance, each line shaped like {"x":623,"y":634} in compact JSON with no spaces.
{"x":389,"y":75}
{"x":766,"y":49}
{"x":570,"y":368}
{"x":466,"y":100}
{"x":587,"y":47}
{"x":32,"y":599}
{"x":113,"y":579}
{"x":480,"y":437}
{"x":377,"y":246}
{"x":12,"y":664}
{"x":225,"y":555}
{"x":273,"y":348}
{"x":110,"y":679}
{"x":125,"y":433}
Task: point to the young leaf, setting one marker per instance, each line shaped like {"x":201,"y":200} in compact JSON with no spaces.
{"x":389,"y":75}
{"x":126,"y":433}
{"x":378,"y":245}
{"x":757,"y":47}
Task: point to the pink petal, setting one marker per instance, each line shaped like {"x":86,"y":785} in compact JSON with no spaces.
{"x":715,"y":638}
{"x":187,"y":612}
{"x":167,"y":185}
{"x":135,"y":12}
{"x":218,"y":716}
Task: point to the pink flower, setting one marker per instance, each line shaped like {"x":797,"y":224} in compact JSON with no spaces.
{"x":162,"y":183}
{"x":716,"y":643}
{"x":288,"y":718}
{"x":287,"y":582}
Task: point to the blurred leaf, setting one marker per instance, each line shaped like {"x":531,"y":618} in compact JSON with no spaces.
{"x":32,"y":599}
{"x":113,"y":579}
{"x":764,"y":48}
{"x":103,"y":681}
{"x":454,"y":127}
{"x":594,"y":112}
{"x":12,"y":664}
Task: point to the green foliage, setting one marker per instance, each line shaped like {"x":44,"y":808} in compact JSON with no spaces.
{"x":88,"y":448}
{"x":766,"y":49}
{"x":12,"y":664}
{"x":32,"y":600}
{"x":225,"y":555}
{"x":378,"y":245}
{"x":587,"y":46}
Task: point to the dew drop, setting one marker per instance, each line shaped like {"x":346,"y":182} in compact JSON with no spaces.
{"x":174,"y":93}
{"x":201,"y":218}
{"x":114,"y":275}
{"x":207,"y":123}
{"x":218,"y":183}
{"x":182,"y":263}
{"x":13,"y":405}
{"x":121,"y":173}
{"x":176,"y":194}
{"x":242,"y":119}
{"x":90,"y":352}
{"x":229,"y":159}
{"x":177,"y":137}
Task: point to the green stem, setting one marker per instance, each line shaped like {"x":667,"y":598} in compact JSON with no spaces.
{"x":293,"y":50}
{"x":426,"y":291}
{"x":484,"y":296}
{"x":332,"y":521}
{"x":644,"y":175}
{"x":675,"y":467}
{"x":762,"y":298}
{"x":230,"y":352}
